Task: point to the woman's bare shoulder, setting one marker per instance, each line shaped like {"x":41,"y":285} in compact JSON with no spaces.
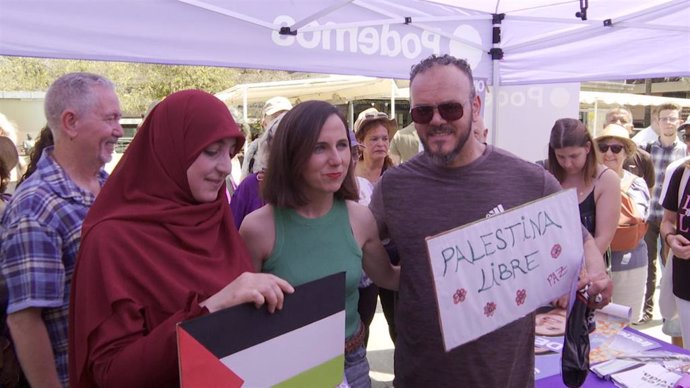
{"x":258,"y":220}
{"x":607,"y":177}
{"x":355,"y":209}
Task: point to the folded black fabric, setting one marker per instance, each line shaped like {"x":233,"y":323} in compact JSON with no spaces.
{"x":575,"y":357}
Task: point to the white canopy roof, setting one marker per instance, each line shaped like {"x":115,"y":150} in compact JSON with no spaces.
{"x":540,"y":41}
{"x":629,"y":99}
{"x":337,"y":89}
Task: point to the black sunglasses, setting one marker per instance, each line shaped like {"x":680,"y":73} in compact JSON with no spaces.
{"x":449,"y":111}
{"x":615,"y":148}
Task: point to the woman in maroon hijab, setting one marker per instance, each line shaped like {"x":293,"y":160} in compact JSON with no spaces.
{"x":159,"y":246}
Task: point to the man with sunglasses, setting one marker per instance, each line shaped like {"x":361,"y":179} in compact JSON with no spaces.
{"x":666,"y":149}
{"x":457,"y":180}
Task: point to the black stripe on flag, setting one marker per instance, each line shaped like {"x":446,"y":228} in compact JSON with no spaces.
{"x":240,"y":327}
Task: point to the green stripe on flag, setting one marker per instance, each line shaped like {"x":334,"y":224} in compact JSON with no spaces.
{"x":329,"y":374}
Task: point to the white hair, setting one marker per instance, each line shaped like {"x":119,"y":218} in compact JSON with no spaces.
{"x":72,"y":91}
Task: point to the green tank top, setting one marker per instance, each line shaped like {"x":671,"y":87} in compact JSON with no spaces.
{"x":307,"y":249}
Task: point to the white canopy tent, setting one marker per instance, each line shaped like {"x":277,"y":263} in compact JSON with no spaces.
{"x":589,"y":97}
{"x":507,"y":42}
{"x":602,"y":101}
{"x":539,"y":41}
{"x":336,"y":89}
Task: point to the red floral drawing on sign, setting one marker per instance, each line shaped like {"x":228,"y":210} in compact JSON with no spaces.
{"x":489,"y":309}
{"x":520,"y":296}
{"x":556,"y":251}
{"x":459,"y":296}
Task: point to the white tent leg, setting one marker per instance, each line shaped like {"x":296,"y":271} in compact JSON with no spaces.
{"x":244,"y":115}
{"x":244,"y":105}
{"x":392,"y":99}
{"x":596,"y":113}
{"x":496,"y":80}
{"x":351,"y":114}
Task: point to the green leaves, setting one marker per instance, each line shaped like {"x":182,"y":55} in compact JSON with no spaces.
{"x":138,"y":84}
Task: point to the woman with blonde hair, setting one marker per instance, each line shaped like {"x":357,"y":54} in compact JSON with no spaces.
{"x":628,"y":263}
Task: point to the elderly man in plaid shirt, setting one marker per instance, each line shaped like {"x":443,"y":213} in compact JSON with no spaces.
{"x":41,"y":225}
{"x":664,"y":150}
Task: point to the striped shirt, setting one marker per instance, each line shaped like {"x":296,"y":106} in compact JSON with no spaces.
{"x":41,"y":230}
{"x":662,"y":157}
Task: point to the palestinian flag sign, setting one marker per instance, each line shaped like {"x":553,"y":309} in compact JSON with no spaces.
{"x":301,"y":345}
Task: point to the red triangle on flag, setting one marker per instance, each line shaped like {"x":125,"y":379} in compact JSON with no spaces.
{"x":201,"y":368}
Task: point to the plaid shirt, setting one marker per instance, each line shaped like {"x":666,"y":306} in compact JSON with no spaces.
{"x":662,"y":157}
{"x":41,"y":230}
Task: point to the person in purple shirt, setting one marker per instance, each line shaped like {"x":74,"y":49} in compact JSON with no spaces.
{"x":247,"y":197}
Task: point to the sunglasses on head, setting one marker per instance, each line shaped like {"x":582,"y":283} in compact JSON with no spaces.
{"x":377,"y":115}
{"x":615,"y":148}
{"x":449,"y":111}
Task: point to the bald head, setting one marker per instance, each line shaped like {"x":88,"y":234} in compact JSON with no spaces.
{"x":620,"y":116}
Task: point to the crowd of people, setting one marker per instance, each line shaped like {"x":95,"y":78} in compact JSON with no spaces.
{"x":97,"y":270}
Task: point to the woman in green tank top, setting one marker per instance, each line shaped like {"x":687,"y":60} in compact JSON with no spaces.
{"x":312,"y":226}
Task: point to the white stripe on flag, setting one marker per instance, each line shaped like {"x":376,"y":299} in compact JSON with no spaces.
{"x":285,"y":356}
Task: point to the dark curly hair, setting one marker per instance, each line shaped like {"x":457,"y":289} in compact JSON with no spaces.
{"x":444,"y":60}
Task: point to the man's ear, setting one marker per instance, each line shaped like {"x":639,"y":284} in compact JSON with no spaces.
{"x":69,"y":120}
{"x":476,"y":107}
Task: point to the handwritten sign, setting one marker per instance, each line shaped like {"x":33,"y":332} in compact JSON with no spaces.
{"x":494,"y":271}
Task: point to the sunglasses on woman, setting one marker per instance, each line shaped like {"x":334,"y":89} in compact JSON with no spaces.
{"x":615,"y":148}
{"x":449,"y":111}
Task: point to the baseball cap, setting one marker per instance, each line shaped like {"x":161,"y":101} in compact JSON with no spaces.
{"x":372,"y":114}
{"x":276,"y":104}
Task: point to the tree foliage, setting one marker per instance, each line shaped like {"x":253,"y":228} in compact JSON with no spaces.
{"x":138,"y":84}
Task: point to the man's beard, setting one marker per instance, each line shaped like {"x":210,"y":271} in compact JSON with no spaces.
{"x":437,"y":157}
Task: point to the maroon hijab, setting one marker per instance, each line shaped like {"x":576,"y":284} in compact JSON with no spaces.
{"x":146,"y":241}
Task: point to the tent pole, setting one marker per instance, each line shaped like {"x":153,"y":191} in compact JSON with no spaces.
{"x":244,"y":104}
{"x":392,"y":99}
{"x":246,"y":118}
{"x":596,"y":112}
{"x":496,"y":53}
{"x":351,"y":114}
{"x":496,"y":79}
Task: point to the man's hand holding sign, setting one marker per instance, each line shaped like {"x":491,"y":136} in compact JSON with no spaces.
{"x":502,"y":268}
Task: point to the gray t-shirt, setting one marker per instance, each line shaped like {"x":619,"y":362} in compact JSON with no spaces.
{"x":419,"y":199}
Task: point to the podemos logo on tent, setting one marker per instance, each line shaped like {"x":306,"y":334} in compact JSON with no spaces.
{"x":380,"y":40}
